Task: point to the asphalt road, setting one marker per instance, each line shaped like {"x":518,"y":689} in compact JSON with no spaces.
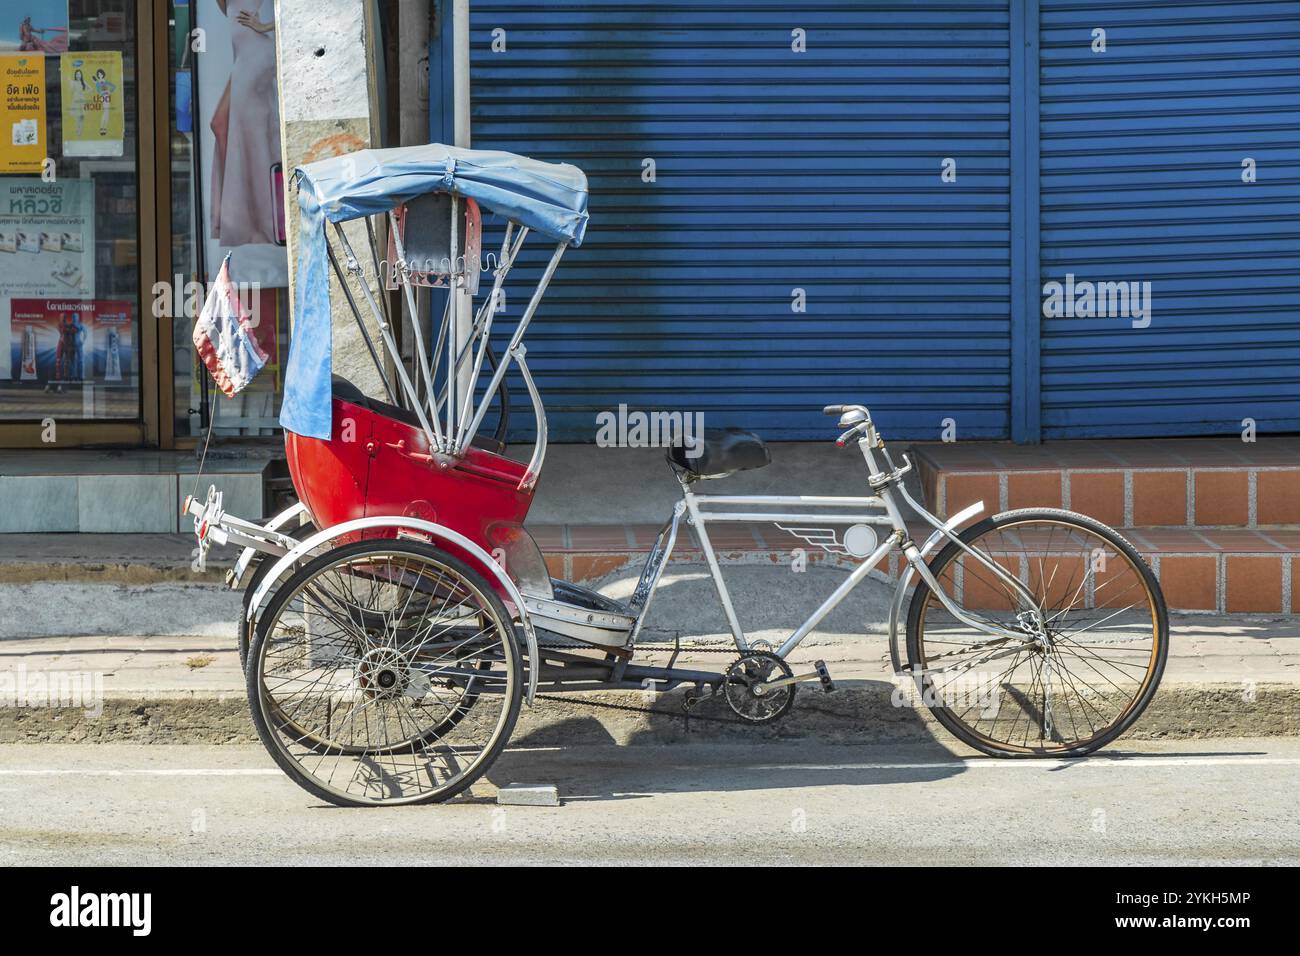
{"x":1181,"y":802}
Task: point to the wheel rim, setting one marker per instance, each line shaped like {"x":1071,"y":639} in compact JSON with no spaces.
{"x":1077,"y":685}
{"x":387,"y":676}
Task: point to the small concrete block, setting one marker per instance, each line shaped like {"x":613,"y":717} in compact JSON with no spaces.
{"x":31,"y":503}
{"x":112,"y":504}
{"x":528,"y":795}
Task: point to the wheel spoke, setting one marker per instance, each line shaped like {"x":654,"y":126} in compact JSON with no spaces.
{"x":347,"y":692}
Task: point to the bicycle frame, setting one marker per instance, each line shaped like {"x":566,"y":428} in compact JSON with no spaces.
{"x":879,"y":509}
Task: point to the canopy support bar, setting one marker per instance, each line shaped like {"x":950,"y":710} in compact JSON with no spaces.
{"x":500,"y":372}
{"x":361,"y":325}
{"x":483,"y":327}
{"x":539,"y":411}
{"x":431,"y":432}
{"x":405,"y":274}
{"x":455,"y":281}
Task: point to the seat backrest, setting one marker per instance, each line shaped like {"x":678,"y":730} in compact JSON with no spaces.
{"x":425,"y":224}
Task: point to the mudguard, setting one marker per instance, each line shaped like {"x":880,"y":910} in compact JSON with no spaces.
{"x":435,"y":531}
{"x":275,"y":524}
{"x":909,"y":573}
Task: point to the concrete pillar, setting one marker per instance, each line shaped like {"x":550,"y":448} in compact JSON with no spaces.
{"x":464,"y":311}
{"x":330,"y":75}
{"x":413,"y":26}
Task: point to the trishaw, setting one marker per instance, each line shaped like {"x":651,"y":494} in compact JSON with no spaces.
{"x":399,"y":615}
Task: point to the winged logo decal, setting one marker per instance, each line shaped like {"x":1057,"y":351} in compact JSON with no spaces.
{"x":825,"y":538}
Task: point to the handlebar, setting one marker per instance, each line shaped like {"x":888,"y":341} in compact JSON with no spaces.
{"x":833,"y":410}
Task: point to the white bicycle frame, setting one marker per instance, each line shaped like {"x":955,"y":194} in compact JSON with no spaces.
{"x":878,"y":509}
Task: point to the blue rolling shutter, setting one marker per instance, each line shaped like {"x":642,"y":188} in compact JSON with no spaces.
{"x":1141,"y":162}
{"x":776,"y":171}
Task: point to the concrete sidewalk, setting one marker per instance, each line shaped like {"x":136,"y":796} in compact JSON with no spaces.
{"x":1224,"y":678}
{"x":161,"y":666}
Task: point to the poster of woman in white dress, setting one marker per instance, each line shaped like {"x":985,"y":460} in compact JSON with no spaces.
{"x":240,"y":139}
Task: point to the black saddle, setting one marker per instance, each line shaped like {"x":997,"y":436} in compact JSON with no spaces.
{"x":725,"y":451}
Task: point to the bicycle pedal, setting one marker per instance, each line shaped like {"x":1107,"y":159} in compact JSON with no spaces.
{"x":824,"y":675}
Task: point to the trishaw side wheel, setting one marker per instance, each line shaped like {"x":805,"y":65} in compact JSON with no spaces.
{"x":385,"y":672}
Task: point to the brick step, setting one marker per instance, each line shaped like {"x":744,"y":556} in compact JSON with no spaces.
{"x":1230,"y":570}
{"x":1171,"y":483}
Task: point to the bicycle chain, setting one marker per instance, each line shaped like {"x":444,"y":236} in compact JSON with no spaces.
{"x":685,"y":714}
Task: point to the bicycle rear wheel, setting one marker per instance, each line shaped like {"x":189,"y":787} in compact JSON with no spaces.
{"x":1104,"y":636}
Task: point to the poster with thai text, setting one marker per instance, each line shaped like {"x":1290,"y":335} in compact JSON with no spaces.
{"x":72,"y":342}
{"x":47,"y":249}
{"x":93,"y":119}
{"x":22,"y":114}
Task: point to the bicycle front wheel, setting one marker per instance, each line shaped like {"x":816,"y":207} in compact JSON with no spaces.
{"x":1101,"y":621}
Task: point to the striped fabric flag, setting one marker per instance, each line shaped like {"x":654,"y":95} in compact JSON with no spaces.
{"x":223,"y":336}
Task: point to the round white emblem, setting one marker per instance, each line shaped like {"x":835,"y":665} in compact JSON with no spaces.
{"x":860,"y":540}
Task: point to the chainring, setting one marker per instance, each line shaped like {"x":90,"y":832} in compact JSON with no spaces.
{"x":750,"y":671}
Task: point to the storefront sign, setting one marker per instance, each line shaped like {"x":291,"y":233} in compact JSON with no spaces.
{"x":22,"y":114}
{"x":47,"y":250}
{"x":93,"y":122}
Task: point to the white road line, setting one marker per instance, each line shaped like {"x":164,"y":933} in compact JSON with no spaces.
{"x":250,"y":772}
{"x":1042,"y":764}
{"x":972,"y":763}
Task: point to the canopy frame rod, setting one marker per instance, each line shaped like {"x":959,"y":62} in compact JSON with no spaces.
{"x":361,"y":325}
{"x":431,"y":431}
{"x":512,"y":351}
{"x":482,"y":328}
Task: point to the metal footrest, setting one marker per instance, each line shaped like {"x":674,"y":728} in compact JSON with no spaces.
{"x":583,"y":615}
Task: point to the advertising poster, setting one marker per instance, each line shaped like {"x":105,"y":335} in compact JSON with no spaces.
{"x":47,"y":248}
{"x":70,"y":342}
{"x":22,"y":113}
{"x":33,"y":26}
{"x":93,"y":119}
{"x":239,"y":139}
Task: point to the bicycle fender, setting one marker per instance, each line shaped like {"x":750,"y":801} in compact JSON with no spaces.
{"x":905,"y":581}
{"x":275,"y":524}
{"x":435,"y":531}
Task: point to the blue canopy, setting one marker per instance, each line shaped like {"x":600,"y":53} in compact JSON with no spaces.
{"x":549,"y":198}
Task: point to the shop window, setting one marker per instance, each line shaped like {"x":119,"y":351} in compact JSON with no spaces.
{"x":69,"y":197}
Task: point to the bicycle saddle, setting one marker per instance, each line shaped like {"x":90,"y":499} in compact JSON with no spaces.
{"x":725,"y":451}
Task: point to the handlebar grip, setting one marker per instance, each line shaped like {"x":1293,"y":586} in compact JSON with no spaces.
{"x":833,"y":410}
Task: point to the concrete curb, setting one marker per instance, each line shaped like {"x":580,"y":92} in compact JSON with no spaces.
{"x":859,"y":712}
{"x":117,"y":572}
